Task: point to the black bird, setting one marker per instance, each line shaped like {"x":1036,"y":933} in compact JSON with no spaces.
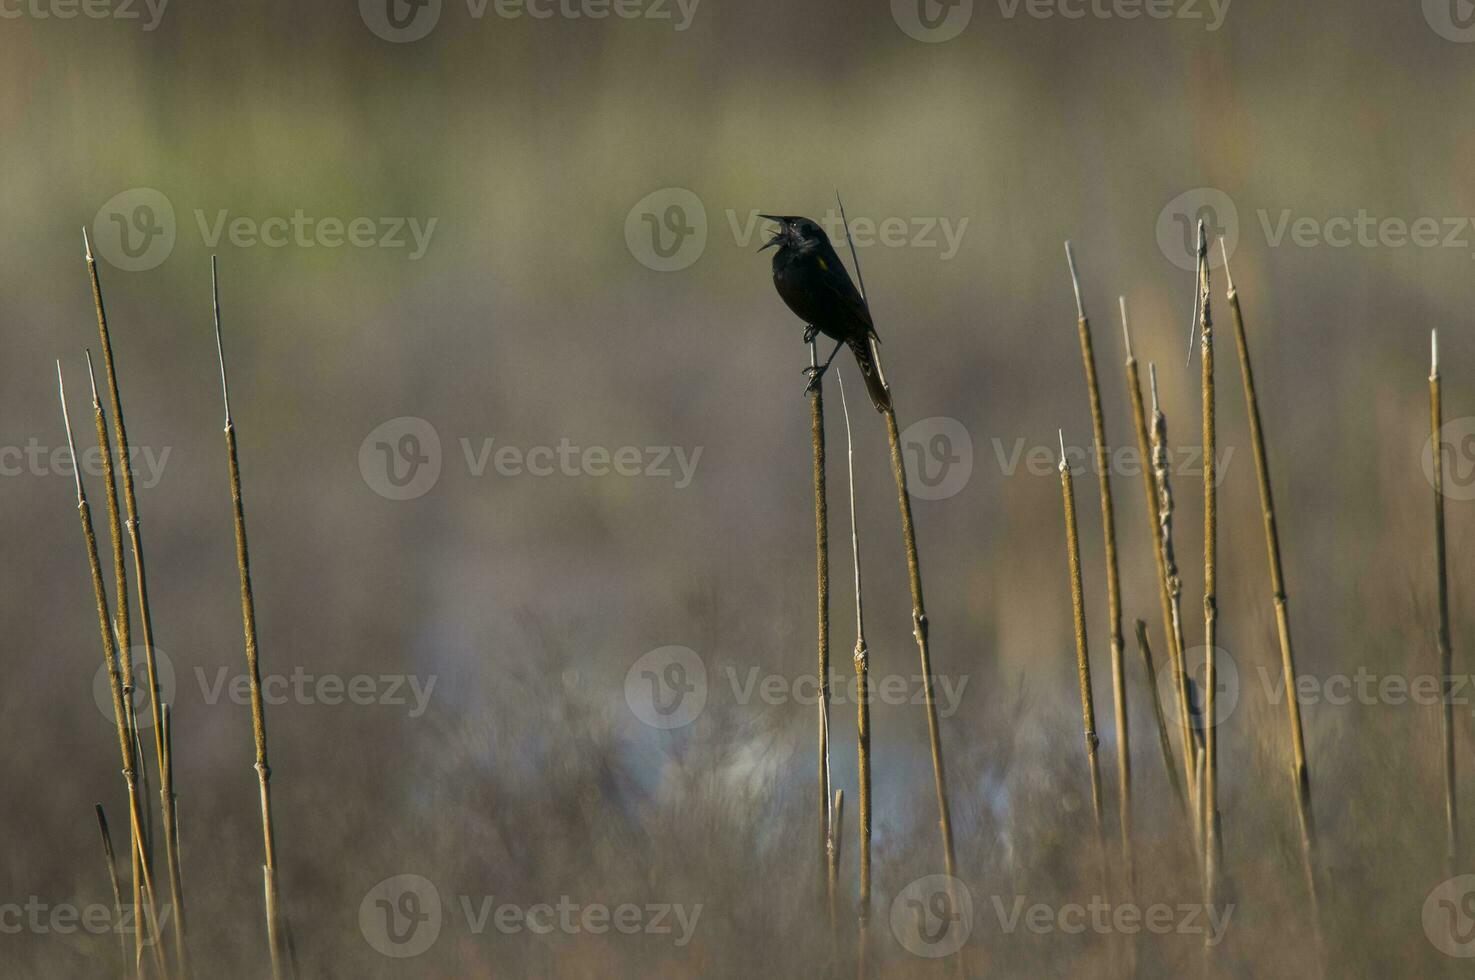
{"x":812,"y":280}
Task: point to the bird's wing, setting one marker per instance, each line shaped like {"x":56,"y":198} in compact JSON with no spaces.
{"x":840,"y":293}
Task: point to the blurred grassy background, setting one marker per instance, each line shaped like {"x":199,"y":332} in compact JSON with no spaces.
{"x":529,"y":320}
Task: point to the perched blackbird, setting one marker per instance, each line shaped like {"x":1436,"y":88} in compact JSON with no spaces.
{"x":812,"y":280}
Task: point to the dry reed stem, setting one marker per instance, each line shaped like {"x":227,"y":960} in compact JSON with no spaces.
{"x":145,"y":617}
{"x":1113,"y":580}
{"x":112,"y":863}
{"x":120,"y":619}
{"x":1446,"y":654}
{"x":1211,"y":610}
{"x":1301,"y":772}
{"x":833,"y":851}
{"x":253,"y":666}
{"x":1152,"y":495}
{"x":1186,"y":732}
{"x":126,"y":742}
{"x":1165,"y":744}
{"x":822,"y":577}
{"x":863,"y":703}
{"x":919,"y":609}
{"x":1083,"y":655}
{"x":166,"y":778}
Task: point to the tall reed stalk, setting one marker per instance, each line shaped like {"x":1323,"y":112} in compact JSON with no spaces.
{"x":145,"y":914}
{"x":1446,"y":655}
{"x":919,"y":608}
{"x":1151,"y":495}
{"x":1300,"y":771}
{"x":1165,"y":744}
{"x":863,"y":705}
{"x":1113,"y":580}
{"x":274,"y":930}
{"x":1083,"y":655}
{"x":145,"y":616}
{"x":833,"y":852}
{"x":1188,"y":734}
{"x":1211,"y":609}
{"x":112,"y":863}
{"x":822,"y":577}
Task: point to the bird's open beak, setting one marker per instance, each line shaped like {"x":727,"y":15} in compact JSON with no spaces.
{"x":783,"y":231}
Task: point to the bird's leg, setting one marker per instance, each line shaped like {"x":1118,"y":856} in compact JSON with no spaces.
{"x":810,"y":330}
{"x":815,"y":373}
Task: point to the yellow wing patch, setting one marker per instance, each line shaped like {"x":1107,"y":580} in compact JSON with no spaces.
{"x":823,"y":265}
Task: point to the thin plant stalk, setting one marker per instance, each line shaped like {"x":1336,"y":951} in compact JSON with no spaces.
{"x":1083,"y":654}
{"x":1151,"y":496}
{"x":120,"y":713}
{"x":1187,"y":732}
{"x":1165,"y":744}
{"x":1113,"y":579}
{"x":145,"y":617}
{"x":1211,"y":609}
{"x":1446,"y":655}
{"x":112,"y":863}
{"x":166,"y":778}
{"x":833,"y":850}
{"x":120,"y":620}
{"x":822,"y":577}
{"x":115,"y":520}
{"x":248,"y":620}
{"x":1301,"y":772}
{"x":919,"y":610}
{"x":863,"y":703}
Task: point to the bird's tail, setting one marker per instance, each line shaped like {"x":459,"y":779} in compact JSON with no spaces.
{"x":869,"y":358}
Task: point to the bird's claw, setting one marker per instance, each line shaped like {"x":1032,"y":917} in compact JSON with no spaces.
{"x":809,"y":333}
{"x":814,"y":374}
